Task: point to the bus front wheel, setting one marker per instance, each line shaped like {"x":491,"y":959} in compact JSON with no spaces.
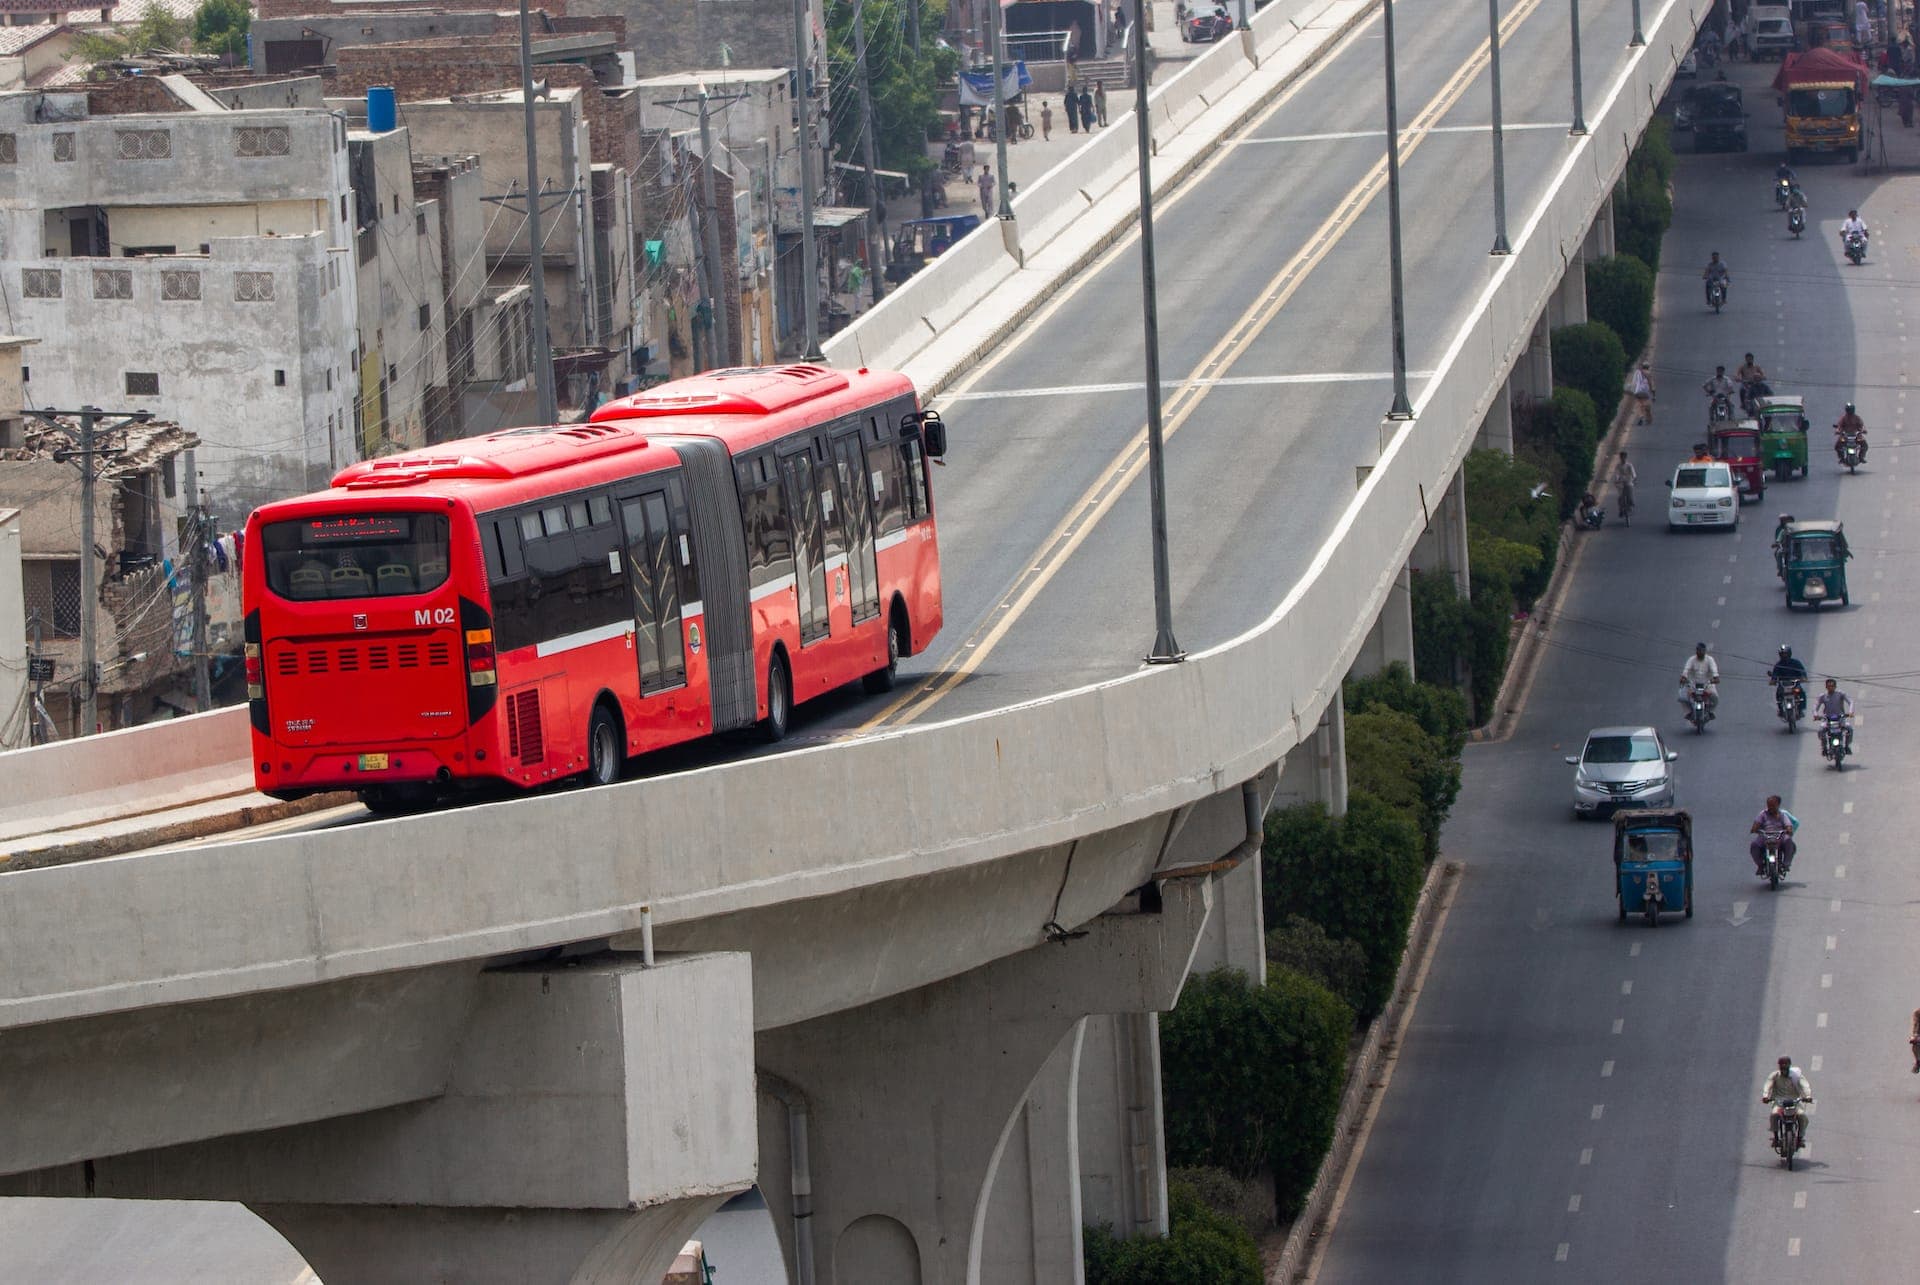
{"x":779,"y":700}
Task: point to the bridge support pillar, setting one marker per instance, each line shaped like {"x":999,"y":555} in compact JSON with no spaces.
{"x":1391,"y":638}
{"x":1442,"y":547}
{"x":1315,"y":770}
{"x":1568,"y":304}
{"x":1601,"y":243}
{"x":1496,"y":426}
{"x":592,"y":1118}
{"x":920,"y":1106}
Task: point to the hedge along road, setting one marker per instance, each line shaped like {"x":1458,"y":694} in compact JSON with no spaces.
{"x":1036,"y":580}
{"x":1578,"y":1100}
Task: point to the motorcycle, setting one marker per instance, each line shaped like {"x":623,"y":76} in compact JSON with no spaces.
{"x":1852,"y":450}
{"x":1698,"y":712}
{"x":1835,"y":744}
{"x":1719,"y":408}
{"x":1796,"y":221}
{"x":1788,"y":1129}
{"x":1782,"y":189}
{"x":1751,"y":391}
{"x":1591,"y":516}
{"x":1717,"y":294}
{"x":1857,"y":247}
{"x":1790,"y":702}
{"x":1773,"y":861}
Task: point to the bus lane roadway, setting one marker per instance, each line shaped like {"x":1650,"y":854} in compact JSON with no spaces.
{"x":1576,"y":1099}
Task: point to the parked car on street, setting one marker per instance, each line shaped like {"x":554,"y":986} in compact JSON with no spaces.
{"x":1626,"y":767}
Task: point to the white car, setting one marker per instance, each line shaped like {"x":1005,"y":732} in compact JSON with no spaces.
{"x":1704,"y":495}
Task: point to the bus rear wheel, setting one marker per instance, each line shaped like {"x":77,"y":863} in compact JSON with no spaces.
{"x":779,"y":701}
{"x":604,"y":759}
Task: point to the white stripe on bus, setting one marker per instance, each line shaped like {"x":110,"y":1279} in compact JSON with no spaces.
{"x":584,"y":638}
{"x":694,"y":608}
{"x":885,"y":542}
{"x":770,"y":588}
{"x":837,"y":561}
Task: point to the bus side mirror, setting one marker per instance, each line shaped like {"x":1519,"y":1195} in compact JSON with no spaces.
{"x":933,"y":434}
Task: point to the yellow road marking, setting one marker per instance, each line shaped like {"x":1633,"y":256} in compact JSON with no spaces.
{"x":1105,"y":491}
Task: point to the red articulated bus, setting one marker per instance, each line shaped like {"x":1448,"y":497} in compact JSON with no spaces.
{"x":545,"y":602}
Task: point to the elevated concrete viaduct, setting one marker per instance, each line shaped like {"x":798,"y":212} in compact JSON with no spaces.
{"x":433,"y":1048}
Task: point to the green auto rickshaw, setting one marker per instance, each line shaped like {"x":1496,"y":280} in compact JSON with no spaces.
{"x":1814,"y":563}
{"x":1783,"y":435}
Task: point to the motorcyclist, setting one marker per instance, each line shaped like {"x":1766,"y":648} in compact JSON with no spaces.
{"x":1789,"y":1083}
{"x":1780,"y":529}
{"x":1590,"y":511}
{"x":1796,"y":196}
{"x":1701,"y":670}
{"x":1834,"y":703}
{"x":1787,"y":671}
{"x":1773,"y":819}
{"x":1851,"y":224}
{"x":1717,"y":387}
{"x":1716,"y":270}
{"x":1783,"y":173}
{"x":1850,"y":425}
{"x":1753,"y":383}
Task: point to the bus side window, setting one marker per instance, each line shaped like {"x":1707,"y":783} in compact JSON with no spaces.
{"x":683,"y":554}
{"x":889,"y":506}
{"x":503,"y":549}
{"x":915,"y":478}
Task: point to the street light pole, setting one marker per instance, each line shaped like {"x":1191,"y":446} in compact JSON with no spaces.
{"x":1639,"y":38}
{"x":1166,"y":650}
{"x":1579,"y":109}
{"x":1005,"y":210}
{"x":803,"y":115}
{"x":1500,"y":245}
{"x":1402,"y":408}
{"x":536,"y":256}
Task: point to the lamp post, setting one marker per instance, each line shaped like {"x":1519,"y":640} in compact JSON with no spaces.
{"x":1500,"y":245}
{"x":1639,"y":38}
{"x":1166,"y":650}
{"x":1005,"y":210}
{"x":1402,"y":408}
{"x":1579,"y":110}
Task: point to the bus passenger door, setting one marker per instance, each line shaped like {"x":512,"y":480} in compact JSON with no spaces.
{"x":653,"y":554}
{"x":856,"y":500}
{"x":797,"y":474}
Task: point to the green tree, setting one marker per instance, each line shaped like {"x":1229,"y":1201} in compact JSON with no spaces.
{"x":1337,"y":964}
{"x":1438,"y":709}
{"x":1442,"y":626}
{"x":1392,"y":758}
{"x":1251,"y":1076}
{"x":156,"y":28}
{"x":220,"y":27}
{"x":1620,"y":293}
{"x":1202,"y":1247}
{"x":1589,"y":357}
{"x":904,"y":88}
{"x":1510,"y":534}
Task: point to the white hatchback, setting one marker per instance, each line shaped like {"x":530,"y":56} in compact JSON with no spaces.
{"x":1704,"y":495}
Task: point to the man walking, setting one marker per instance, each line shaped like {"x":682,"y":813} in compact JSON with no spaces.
{"x":1640,"y":386}
{"x":1046,"y":120}
{"x":986,"y":190}
{"x":1086,"y":110}
{"x":1100,"y":101}
{"x":1072,"y":104}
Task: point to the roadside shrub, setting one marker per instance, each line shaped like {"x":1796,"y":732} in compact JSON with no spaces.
{"x":1440,"y":710}
{"x":1641,"y":206}
{"x":1569,"y":428}
{"x":1337,"y":964}
{"x":1392,"y":758}
{"x":1589,"y":357}
{"x":1492,"y":620}
{"x":1358,"y":878}
{"x":1251,"y":1077}
{"x":1620,"y":293}
{"x":1201,"y":1248}
{"x":1442,"y":628}
{"x":1241,"y":1199}
{"x":1502,"y":513}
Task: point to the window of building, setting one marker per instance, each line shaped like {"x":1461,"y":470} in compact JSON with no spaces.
{"x":51,"y":587}
{"x":329,"y":379}
{"x":393,"y":373}
{"x":143,"y":383}
{"x":426,"y":315}
{"x":343,"y":209}
{"x":420,"y":222}
{"x":279,"y":379}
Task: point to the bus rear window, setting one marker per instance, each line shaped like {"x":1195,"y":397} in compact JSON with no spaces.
{"x":365,"y":555}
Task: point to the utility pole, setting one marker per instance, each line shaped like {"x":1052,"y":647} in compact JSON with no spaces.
{"x":536,"y":243}
{"x":999,"y":111}
{"x":86,"y":439}
{"x":716,"y":275}
{"x":39,"y":671}
{"x":802,"y":114}
{"x":875,"y":224}
{"x":197,"y":532}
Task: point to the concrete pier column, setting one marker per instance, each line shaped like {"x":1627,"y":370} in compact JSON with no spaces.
{"x":1391,"y":638}
{"x":1123,"y":1148}
{"x":921,"y":1104}
{"x":1567,"y":306}
{"x":1533,"y":373}
{"x":1496,"y":426}
{"x":592,"y":1117}
{"x":1600,"y":242}
{"x":1442,"y":547}
{"x":1315,"y":770}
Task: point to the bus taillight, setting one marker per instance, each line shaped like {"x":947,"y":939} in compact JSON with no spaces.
{"x":480,"y":658}
{"x":256,"y":673}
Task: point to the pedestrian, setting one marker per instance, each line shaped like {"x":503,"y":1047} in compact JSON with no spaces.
{"x":986,"y":190}
{"x":1100,"y":101}
{"x":1086,"y":110}
{"x":1640,"y":387}
{"x":1012,"y":123}
{"x":1862,"y":26}
{"x":1046,"y":120}
{"x":1072,"y":104}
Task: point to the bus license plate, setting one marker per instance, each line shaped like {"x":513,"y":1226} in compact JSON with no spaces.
{"x":373,"y":762}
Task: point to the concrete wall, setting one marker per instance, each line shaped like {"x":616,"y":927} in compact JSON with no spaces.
{"x":14,"y":711}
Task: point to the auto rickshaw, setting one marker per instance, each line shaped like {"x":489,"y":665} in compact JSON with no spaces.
{"x":1739,"y":446}
{"x":1653,"y":862}
{"x":923,"y":239}
{"x":1783,"y":435}
{"x":1814,"y":563}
